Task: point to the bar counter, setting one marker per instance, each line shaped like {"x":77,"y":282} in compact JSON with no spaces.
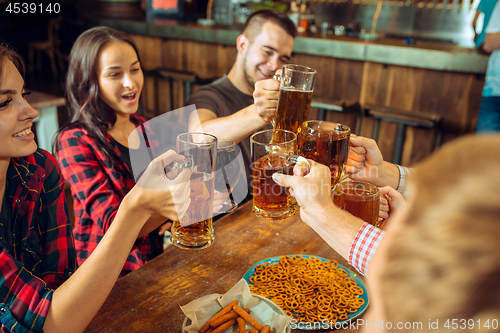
{"x":440,"y":79}
{"x":149,"y":299}
{"x":391,"y":51}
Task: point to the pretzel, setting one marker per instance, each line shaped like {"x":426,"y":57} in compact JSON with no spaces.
{"x":308,"y":289}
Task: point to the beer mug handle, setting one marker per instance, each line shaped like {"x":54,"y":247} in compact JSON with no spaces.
{"x":175,"y":168}
{"x":276,"y":77}
{"x":301,"y":162}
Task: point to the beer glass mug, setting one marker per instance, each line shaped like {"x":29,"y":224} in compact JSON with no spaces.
{"x":270,"y":154}
{"x":361,"y":199}
{"x":327,"y":143}
{"x":294,"y":101}
{"x":194,"y":230}
{"x":227,"y":172}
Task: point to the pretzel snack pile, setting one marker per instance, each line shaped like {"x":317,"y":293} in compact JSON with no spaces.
{"x":308,"y":289}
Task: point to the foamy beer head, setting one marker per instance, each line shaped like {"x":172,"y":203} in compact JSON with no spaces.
{"x":361,"y":199}
{"x":194,"y":230}
{"x":273,"y":152}
{"x":294,"y":102}
{"x":327,"y":143}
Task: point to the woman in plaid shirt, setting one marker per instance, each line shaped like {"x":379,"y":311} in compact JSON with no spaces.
{"x":103,"y":87}
{"x":40,"y":287}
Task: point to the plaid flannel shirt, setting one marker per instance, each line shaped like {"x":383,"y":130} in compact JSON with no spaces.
{"x":368,"y":237}
{"x":98,"y":189}
{"x":41,"y":255}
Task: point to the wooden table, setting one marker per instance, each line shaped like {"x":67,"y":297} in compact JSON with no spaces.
{"x":149,"y":299}
{"x":46,"y":122}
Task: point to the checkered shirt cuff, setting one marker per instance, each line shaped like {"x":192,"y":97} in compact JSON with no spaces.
{"x":363,"y":246}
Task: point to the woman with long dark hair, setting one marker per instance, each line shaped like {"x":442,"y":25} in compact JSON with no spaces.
{"x":41,"y":288}
{"x":104,"y":83}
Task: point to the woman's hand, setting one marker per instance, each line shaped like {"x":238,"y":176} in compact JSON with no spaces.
{"x":156,"y":194}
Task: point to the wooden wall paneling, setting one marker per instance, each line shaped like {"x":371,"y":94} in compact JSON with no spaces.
{"x":193,"y":54}
{"x":419,"y":143}
{"x":475,"y":96}
{"x":454,"y":96}
{"x":148,"y":97}
{"x":405,"y":85}
{"x":225,"y":59}
{"x":346,"y":118}
{"x":150,"y":49}
{"x":352,"y":79}
{"x":172,"y":55}
{"x":164,"y":96}
{"x":346,"y":85}
{"x":374,"y":91}
{"x":337,"y":79}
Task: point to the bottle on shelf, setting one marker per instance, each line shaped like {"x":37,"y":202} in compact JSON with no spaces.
{"x":303,"y":22}
{"x":293,"y":13}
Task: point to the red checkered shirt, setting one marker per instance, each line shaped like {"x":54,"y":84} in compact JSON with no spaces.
{"x":98,"y":189}
{"x":39,"y":255}
{"x":363,"y":246}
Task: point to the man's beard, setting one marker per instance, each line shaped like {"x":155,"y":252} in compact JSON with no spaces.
{"x":250,"y":80}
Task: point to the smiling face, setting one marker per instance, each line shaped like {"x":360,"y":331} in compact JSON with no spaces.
{"x":268,"y":52}
{"x":120,"y":77}
{"x":16,"y":115}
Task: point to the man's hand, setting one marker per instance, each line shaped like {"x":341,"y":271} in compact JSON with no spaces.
{"x":395,"y":203}
{"x":265,"y":97}
{"x":365,"y":163}
{"x":311,"y":191}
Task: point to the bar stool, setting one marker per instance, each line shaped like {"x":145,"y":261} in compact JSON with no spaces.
{"x":153,"y":94}
{"x":325,"y":104}
{"x":403,"y":119}
{"x":50,"y":46}
{"x":173,"y":78}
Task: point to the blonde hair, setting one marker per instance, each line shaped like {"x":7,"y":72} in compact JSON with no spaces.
{"x":445,"y":261}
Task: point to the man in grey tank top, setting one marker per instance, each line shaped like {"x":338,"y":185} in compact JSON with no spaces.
{"x":226,"y":107}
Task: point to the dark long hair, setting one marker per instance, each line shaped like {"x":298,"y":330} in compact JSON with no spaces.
{"x":85,"y":107}
{"x":7,"y":53}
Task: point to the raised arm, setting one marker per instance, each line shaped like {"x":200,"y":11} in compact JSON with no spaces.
{"x":243,"y":122}
{"x":77,"y":300}
{"x":234,"y":127}
{"x":492,"y":38}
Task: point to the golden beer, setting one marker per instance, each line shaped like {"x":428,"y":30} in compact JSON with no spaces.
{"x":293,"y":108}
{"x":326,"y":143}
{"x":360,"y":199}
{"x":270,"y":200}
{"x":198,"y":234}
